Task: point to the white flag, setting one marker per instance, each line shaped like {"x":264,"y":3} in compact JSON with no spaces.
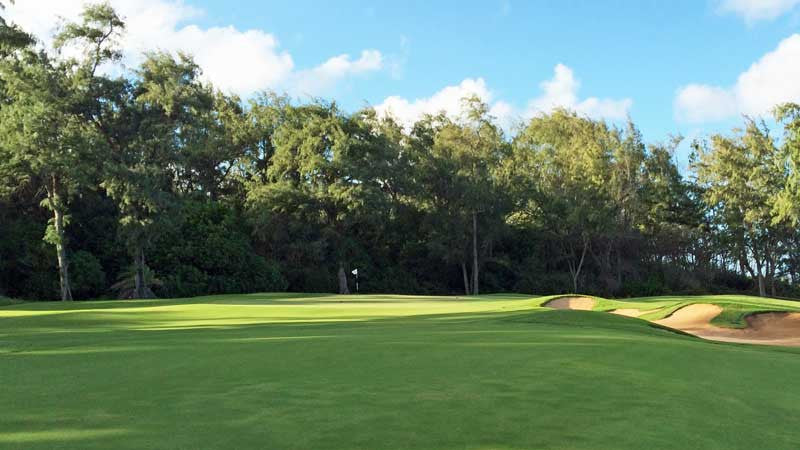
{"x":355,"y":272}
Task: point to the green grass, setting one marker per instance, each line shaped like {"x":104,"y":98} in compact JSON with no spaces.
{"x":322,"y":371}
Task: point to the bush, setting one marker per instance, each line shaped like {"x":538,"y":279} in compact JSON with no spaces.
{"x":544,"y":283}
{"x":87,"y":276}
{"x":653,"y":285}
{"x":209,"y":252}
{"x":726,"y":281}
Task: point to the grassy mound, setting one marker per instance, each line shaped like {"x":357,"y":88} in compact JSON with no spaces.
{"x":322,"y":371}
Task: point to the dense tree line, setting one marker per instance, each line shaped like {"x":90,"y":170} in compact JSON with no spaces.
{"x":154,"y":183}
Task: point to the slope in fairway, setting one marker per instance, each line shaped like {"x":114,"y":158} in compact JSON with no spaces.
{"x":278,"y":371}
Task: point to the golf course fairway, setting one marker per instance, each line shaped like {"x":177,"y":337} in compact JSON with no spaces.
{"x":313,"y":371}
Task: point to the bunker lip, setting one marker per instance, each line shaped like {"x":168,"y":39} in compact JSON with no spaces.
{"x":696,"y":317}
{"x":574,"y":302}
{"x":768,"y":328}
{"x":633,"y":312}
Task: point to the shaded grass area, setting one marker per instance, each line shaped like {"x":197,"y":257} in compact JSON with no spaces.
{"x":269,"y":371}
{"x":5,"y":301}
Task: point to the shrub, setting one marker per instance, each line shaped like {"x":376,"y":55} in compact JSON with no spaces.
{"x":209,"y":252}
{"x":86,"y":275}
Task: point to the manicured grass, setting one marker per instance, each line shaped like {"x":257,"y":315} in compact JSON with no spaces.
{"x":321,"y":371}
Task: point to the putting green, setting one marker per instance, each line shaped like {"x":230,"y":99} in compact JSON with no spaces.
{"x":322,"y":371}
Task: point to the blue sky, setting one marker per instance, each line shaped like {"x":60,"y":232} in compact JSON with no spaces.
{"x":678,"y":66}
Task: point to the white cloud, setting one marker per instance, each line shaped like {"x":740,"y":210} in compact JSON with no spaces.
{"x":234,"y":60}
{"x":560,"y":91}
{"x":769,"y":81}
{"x":699,"y":102}
{"x":447,"y":100}
{"x":755,"y":10}
{"x":321,"y":78}
{"x":505,"y":114}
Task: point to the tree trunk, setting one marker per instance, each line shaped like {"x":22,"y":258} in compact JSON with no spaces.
{"x":139,"y":281}
{"x":771,"y":269}
{"x":475,"y":289}
{"x":343,"y":289}
{"x":762,"y":291}
{"x":576,"y":271}
{"x":466,"y":277}
{"x":61,"y":252}
{"x":619,"y":268}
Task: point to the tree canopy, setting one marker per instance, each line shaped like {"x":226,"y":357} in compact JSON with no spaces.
{"x":152,"y":182}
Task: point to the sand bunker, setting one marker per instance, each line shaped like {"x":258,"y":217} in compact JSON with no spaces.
{"x":775,"y":328}
{"x":580,"y":303}
{"x":691,"y":318}
{"x":633,"y":312}
{"x":628,"y":312}
{"x":766,"y":328}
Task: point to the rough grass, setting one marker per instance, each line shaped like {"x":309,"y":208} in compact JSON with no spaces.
{"x":321,"y":371}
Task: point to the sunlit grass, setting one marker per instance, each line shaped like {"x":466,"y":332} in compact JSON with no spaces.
{"x":323,"y":371}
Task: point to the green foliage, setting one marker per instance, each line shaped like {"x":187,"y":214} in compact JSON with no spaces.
{"x":41,"y":136}
{"x":215,"y":256}
{"x":143,"y":128}
{"x":787,"y":202}
{"x":88,"y":275}
{"x":125,"y":287}
{"x":97,"y":36}
{"x":565,"y":161}
{"x":741,"y":177}
{"x":154,"y":170}
{"x":11,"y":36}
{"x":320,"y":176}
{"x":45,"y":136}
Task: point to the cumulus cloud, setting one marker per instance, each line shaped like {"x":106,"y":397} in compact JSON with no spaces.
{"x":699,"y":102}
{"x":321,"y":78}
{"x":240,"y":61}
{"x":447,"y":100}
{"x":755,"y":10}
{"x":767,"y":82}
{"x":561,"y":91}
